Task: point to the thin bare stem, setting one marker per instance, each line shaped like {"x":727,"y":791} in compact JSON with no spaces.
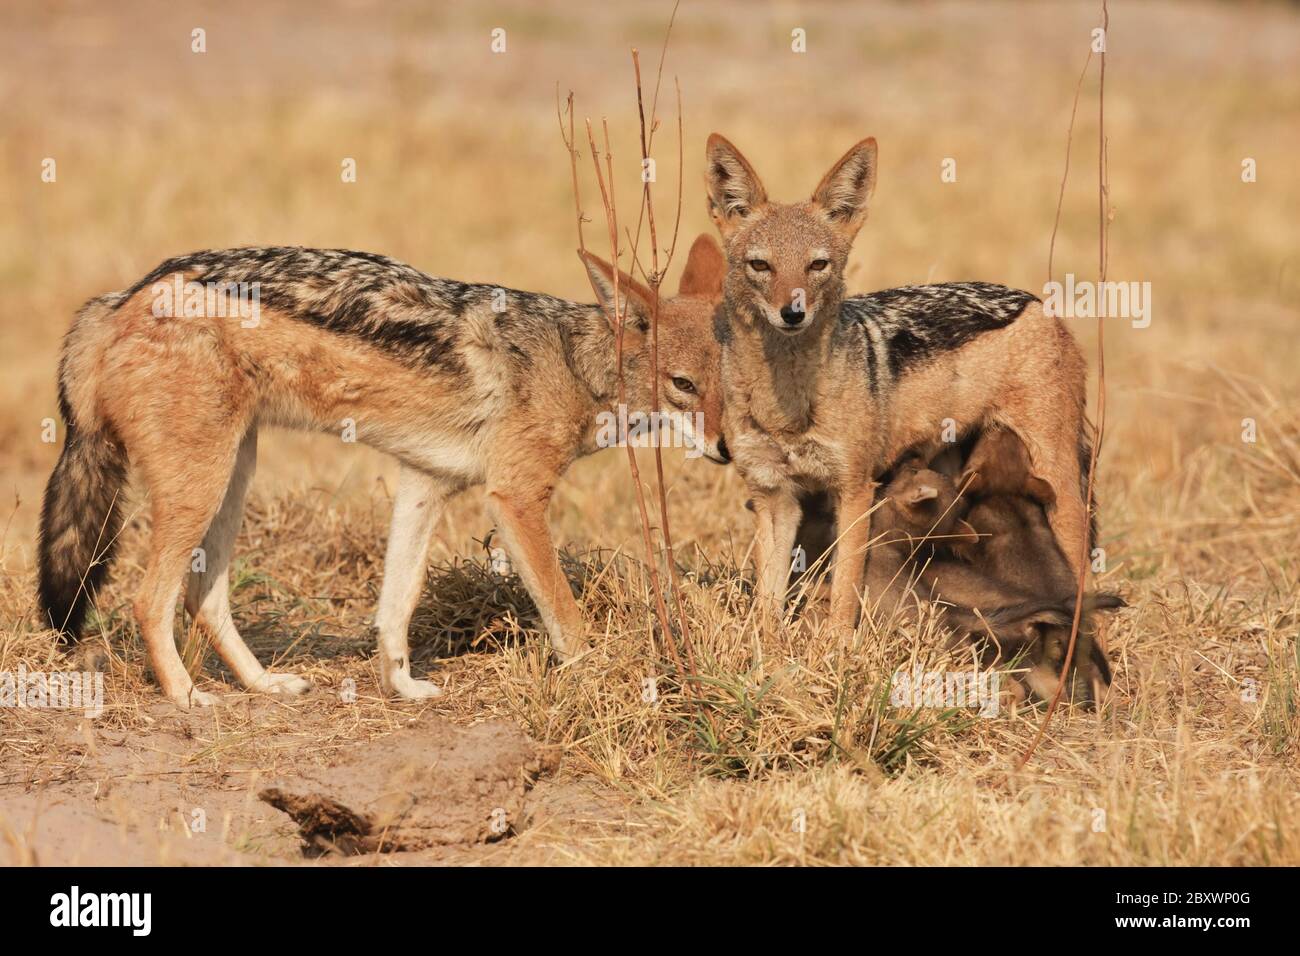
{"x":605,"y":181}
{"x":611,"y":220}
{"x":573,"y":161}
{"x":647,"y":203}
{"x":1103,"y":230}
{"x":1069,"y":139}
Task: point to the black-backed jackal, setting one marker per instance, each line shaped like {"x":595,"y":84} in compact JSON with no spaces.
{"x":823,"y":392}
{"x":463,"y":384}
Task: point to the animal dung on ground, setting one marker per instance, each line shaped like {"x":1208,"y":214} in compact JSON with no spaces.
{"x":435,"y":784}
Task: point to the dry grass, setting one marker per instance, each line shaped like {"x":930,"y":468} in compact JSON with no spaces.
{"x":462,"y":174}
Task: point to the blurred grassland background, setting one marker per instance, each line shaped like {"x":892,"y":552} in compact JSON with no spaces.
{"x":462,"y":173}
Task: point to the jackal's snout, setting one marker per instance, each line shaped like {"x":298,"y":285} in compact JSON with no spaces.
{"x":723,"y":452}
{"x":792,"y":314}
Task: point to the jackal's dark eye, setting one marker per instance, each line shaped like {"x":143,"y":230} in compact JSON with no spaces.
{"x":759,"y":265}
{"x":684,"y":385}
{"x":817,"y":265}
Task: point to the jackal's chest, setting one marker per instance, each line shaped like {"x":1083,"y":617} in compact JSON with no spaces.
{"x":796,"y":427}
{"x":807,"y":460}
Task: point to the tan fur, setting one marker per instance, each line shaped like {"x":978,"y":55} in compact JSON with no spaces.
{"x":185,"y":398}
{"x":800,"y":416}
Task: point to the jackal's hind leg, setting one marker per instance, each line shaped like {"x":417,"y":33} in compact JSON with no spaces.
{"x":184,"y":500}
{"x":415,"y":512}
{"x":208,"y":596}
{"x":1054,"y":456}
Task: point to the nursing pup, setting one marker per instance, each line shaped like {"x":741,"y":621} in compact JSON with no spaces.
{"x":1016,"y":547}
{"x":998,"y":575}
{"x":463,"y":384}
{"x":823,"y":391}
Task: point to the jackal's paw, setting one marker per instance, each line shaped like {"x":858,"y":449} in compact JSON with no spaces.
{"x":289,"y":685}
{"x":402,"y":684}
{"x":194,"y":698}
{"x":567,"y":652}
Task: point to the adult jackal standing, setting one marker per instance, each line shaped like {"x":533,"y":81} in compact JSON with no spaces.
{"x":824,"y":392}
{"x":463,"y":384}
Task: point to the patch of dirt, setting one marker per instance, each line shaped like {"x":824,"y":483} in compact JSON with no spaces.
{"x":434,"y":784}
{"x":183,"y":789}
{"x":68,"y":831}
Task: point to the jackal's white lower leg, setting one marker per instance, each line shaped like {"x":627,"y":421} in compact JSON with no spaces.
{"x":155,"y":609}
{"x":415,"y":512}
{"x":777,"y":517}
{"x":854,"y":530}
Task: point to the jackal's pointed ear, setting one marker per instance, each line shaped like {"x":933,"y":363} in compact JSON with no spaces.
{"x":843,"y":192}
{"x":735,"y":192}
{"x":1040,"y":491}
{"x":920,"y":492}
{"x":635,"y":299}
{"x":706,"y":267}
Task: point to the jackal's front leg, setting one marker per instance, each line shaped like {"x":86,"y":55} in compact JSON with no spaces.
{"x":853,"y":516}
{"x":777,"y":517}
{"x":415,"y":511}
{"x":519,"y":510}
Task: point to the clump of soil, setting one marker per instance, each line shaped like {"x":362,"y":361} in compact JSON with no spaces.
{"x":432,"y":784}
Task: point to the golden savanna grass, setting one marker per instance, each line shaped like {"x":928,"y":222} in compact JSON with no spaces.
{"x":1193,"y":758}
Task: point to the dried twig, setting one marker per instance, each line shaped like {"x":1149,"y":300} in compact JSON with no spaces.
{"x":1103,"y":228}
{"x":1069,"y":141}
{"x":655,"y":279}
{"x":605,"y":180}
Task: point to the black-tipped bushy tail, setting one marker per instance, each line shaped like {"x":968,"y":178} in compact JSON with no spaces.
{"x":80,"y":521}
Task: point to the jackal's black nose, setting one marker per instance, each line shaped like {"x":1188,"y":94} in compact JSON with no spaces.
{"x":791,"y":316}
{"x":723,"y":451}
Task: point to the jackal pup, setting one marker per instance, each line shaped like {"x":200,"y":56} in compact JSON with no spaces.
{"x":823,"y":392}
{"x":1016,"y":547}
{"x":999,"y":574}
{"x":463,"y":384}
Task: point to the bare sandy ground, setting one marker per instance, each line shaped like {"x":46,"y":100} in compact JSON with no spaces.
{"x":431,"y":792}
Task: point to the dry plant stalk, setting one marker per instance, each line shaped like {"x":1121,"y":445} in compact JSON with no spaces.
{"x":686,"y":668}
{"x":611,"y":222}
{"x":1103,"y":228}
{"x":654,"y":280}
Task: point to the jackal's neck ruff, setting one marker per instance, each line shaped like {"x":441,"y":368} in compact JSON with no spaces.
{"x":780,"y":376}
{"x":785,"y":401}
